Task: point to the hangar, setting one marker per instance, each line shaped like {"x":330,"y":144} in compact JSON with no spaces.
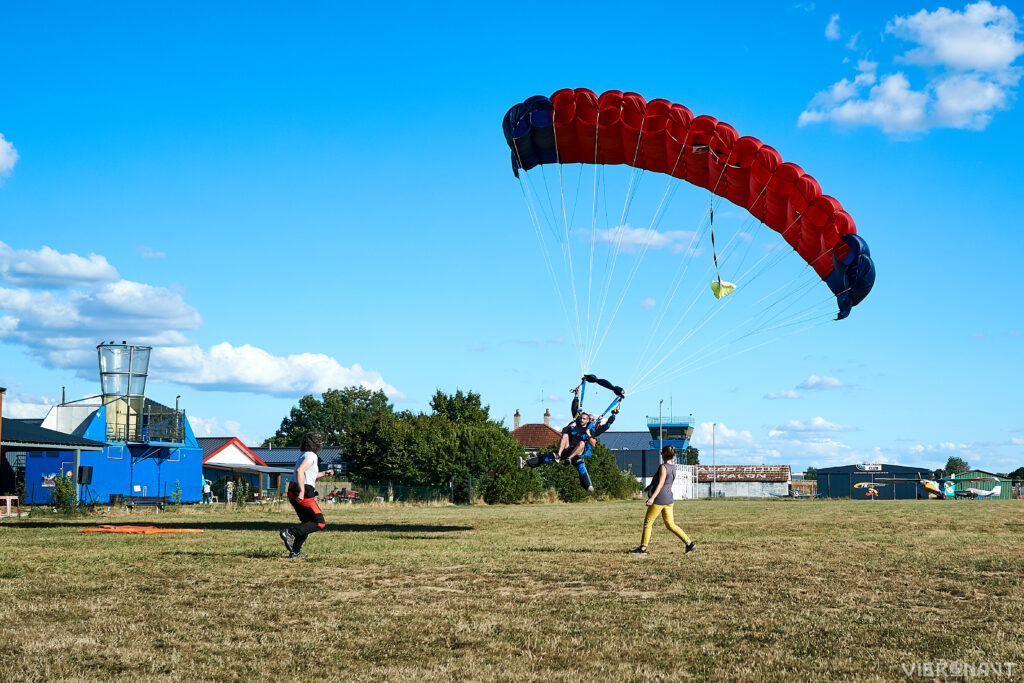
{"x":840,"y":482}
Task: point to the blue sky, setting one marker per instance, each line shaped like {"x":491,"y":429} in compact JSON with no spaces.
{"x":283,"y":200}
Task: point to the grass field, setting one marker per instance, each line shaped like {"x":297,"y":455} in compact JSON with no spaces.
{"x":780,"y":589}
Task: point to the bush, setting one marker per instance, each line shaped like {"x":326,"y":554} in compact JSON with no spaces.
{"x":608,"y":479}
{"x":65,"y":494}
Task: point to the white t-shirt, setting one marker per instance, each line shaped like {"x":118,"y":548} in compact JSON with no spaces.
{"x":311,"y":471}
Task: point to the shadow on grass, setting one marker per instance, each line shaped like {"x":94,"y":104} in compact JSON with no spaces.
{"x":247,"y":526}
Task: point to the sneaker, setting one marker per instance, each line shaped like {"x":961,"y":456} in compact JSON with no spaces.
{"x":522,"y":463}
{"x":690,"y":546}
{"x":639,"y":550}
{"x":289,"y":540}
{"x":298,"y":555}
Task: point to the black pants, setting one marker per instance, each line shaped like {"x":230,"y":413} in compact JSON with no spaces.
{"x":310,"y":515}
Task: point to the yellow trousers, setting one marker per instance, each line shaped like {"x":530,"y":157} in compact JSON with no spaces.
{"x":666,"y":514}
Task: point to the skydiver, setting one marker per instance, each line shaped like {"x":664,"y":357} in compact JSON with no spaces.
{"x":576,"y":442}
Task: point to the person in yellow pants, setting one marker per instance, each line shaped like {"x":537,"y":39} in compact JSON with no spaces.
{"x":660,"y":501}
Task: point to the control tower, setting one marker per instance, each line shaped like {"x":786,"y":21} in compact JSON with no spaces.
{"x":131,"y":418}
{"x":671,"y":430}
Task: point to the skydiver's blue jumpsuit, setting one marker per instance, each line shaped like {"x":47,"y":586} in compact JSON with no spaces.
{"x":577,"y":433}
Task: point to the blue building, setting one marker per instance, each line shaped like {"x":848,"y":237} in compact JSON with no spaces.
{"x":150,"y":450}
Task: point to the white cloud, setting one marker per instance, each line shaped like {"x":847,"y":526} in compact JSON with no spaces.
{"x":967,"y":100}
{"x":832,"y":30}
{"x":247,"y":368}
{"x":780,"y":395}
{"x":648,"y":303}
{"x":851,"y":44}
{"x":50,"y":269}
{"x":969,"y":75}
{"x":815,"y":424}
{"x":722,"y":435}
{"x":634,"y":239}
{"x":1016,"y":441}
{"x":982,"y":37}
{"x":8,"y":157}
{"x":62,"y":328}
{"x":148,"y":252}
{"x":212,"y":426}
{"x":816,"y":383}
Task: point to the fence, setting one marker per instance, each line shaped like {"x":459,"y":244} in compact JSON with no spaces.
{"x":397,"y":491}
{"x":684,"y":487}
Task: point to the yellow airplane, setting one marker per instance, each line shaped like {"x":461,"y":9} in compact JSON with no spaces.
{"x":944,"y":487}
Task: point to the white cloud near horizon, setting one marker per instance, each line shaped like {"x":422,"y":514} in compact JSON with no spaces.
{"x":247,"y":368}
{"x":631,"y":240}
{"x":966,"y":58}
{"x":211,"y":426}
{"x":66,"y":304}
{"x":47,"y":268}
{"x":8,"y":157}
{"x":832,"y":29}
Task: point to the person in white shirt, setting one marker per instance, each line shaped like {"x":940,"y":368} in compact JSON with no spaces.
{"x":302,"y":495}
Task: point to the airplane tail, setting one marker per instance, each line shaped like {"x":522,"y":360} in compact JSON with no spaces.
{"x":996,"y":491}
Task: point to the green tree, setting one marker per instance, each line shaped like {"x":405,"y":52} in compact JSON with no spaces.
{"x":956,"y":465}
{"x":460,"y":408}
{"x":335,"y":415}
{"x":811,"y":474}
{"x":691,"y":456}
{"x":1017,"y":474}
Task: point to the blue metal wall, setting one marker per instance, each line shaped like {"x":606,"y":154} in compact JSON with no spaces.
{"x":113,"y":472}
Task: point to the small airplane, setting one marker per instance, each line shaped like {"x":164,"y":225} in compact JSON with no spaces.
{"x":871,"y":486}
{"x":795,"y":494}
{"x":979,"y":493}
{"x":945,"y":487}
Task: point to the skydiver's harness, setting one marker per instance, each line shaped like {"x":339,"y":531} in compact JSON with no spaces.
{"x":585,"y":433}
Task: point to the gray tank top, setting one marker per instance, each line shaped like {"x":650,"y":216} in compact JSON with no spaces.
{"x":665,"y":495}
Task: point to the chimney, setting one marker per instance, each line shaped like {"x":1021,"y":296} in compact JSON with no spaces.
{"x":547,"y":417}
{"x":516,"y":419}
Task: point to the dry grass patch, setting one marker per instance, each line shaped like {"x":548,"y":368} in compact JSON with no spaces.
{"x":776,"y":589}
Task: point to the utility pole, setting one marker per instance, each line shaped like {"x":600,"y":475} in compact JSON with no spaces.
{"x":661,"y":430}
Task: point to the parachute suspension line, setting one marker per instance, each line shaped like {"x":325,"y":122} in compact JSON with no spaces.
{"x":651,"y":231}
{"x":530,"y":205}
{"x":593,"y":246}
{"x":715,"y":345}
{"x":539,"y":232}
{"x":567,"y":252}
{"x":620,"y":233}
{"x":708,"y":317}
{"x":716,"y":358}
{"x":714,"y":252}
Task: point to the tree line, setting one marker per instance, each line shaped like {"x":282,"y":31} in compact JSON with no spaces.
{"x":456,"y":443}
